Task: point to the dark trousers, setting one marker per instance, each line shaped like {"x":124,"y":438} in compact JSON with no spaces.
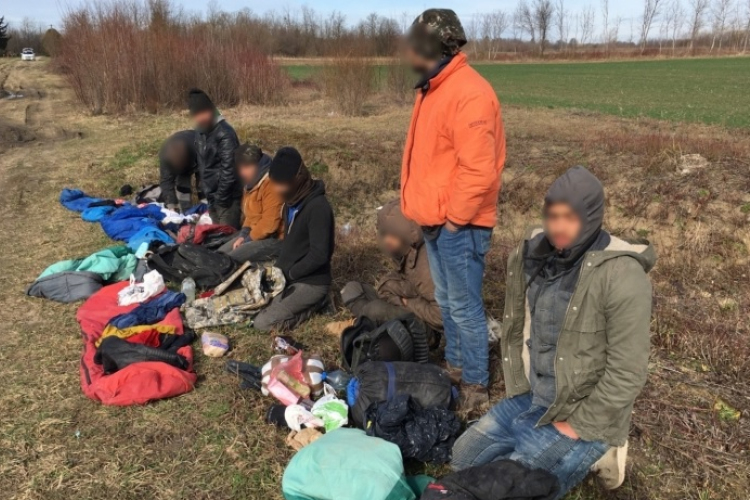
{"x":295,"y":305}
{"x":227,"y":216}
{"x":252,"y":251}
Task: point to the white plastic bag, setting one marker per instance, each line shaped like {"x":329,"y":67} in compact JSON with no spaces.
{"x":135,"y":293}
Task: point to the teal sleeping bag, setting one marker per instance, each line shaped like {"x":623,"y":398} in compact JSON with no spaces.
{"x":112,"y":264}
{"x":348,"y":464}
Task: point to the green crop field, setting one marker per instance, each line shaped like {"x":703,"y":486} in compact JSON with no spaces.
{"x":713,"y":91}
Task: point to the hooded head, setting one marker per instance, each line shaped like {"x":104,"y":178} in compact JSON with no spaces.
{"x":434,"y":35}
{"x":397,"y":234}
{"x":574,"y":211}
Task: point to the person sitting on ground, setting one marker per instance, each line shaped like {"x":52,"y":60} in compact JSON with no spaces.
{"x":262,"y":229}
{"x":307,"y":247}
{"x":177,"y":166}
{"x":215,"y":142}
{"x":410,"y":287}
{"x":575,"y":343}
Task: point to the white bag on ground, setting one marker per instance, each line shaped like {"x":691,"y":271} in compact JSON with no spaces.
{"x":135,"y":293}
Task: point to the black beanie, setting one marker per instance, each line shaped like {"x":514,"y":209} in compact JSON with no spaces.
{"x":199,"y":101}
{"x":285,"y":165}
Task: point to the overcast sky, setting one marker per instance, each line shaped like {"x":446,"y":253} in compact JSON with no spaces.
{"x":48,"y":12}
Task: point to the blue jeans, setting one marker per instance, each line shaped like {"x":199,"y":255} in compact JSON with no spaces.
{"x":457,"y":268}
{"x":509,"y":431}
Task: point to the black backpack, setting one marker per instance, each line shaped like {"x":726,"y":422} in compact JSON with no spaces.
{"x":207,"y":267}
{"x":403,"y":339}
{"x":377,"y":381}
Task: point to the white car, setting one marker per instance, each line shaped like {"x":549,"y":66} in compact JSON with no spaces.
{"x":28,"y":55}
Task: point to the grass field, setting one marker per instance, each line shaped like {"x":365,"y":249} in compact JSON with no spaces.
{"x":689,"y":439}
{"x":712,"y":91}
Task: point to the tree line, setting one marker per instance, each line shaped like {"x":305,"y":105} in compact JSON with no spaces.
{"x":533,"y":28}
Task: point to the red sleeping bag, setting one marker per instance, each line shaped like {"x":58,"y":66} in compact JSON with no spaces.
{"x":138,"y":383}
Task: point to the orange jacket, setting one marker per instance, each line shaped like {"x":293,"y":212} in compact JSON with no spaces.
{"x":261,"y":207}
{"x":455,"y":151}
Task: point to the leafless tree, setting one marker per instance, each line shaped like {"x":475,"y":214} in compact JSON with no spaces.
{"x":651,"y":9}
{"x":674,"y":22}
{"x":524,"y":20}
{"x":544,"y":12}
{"x":492,"y":28}
{"x":605,"y":24}
{"x":697,"y":19}
{"x":561,"y":16}
{"x":747,"y":28}
{"x":720,"y":13}
{"x":587,"y":24}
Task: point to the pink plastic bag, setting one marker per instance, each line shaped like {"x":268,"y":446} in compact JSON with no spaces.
{"x":295,"y":388}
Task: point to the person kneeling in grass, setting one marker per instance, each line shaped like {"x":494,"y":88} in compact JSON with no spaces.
{"x":262,"y":229}
{"x":575,"y":341}
{"x":407,"y":289}
{"x":307,"y":247}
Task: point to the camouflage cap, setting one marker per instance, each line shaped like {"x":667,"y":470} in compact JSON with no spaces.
{"x":436,"y":33}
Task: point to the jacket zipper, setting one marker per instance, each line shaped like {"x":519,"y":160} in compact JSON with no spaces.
{"x":565,"y":322}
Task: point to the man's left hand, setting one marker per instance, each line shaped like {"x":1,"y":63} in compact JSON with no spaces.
{"x":566,"y":430}
{"x":451,"y":227}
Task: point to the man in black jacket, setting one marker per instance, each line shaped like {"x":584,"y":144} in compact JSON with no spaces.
{"x":307,"y":248}
{"x":177,"y":166}
{"x":215,"y":142}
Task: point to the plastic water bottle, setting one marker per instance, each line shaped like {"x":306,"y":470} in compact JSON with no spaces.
{"x":188,"y":288}
{"x":338,"y":380}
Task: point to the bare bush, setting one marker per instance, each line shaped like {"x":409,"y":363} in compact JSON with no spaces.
{"x":130,"y":56}
{"x":348,"y":81}
{"x":399,"y":82}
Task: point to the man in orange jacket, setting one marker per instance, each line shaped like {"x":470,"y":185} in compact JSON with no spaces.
{"x":450,"y":181}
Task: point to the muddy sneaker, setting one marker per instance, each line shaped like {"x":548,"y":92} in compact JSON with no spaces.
{"x":336,"y":328}
{"x":474,"y":400}
{"x":610,"y":469}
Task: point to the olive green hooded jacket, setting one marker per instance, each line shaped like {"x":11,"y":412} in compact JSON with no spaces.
{"x":603,"y":348}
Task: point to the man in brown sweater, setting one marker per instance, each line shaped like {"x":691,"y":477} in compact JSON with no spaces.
{"x":262,"y":229}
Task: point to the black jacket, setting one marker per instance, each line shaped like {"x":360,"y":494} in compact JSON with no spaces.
{"x":170,"y":182}
{"x":306,"y":251}
{"x":215,"y":153}
{"x":501,"y":480}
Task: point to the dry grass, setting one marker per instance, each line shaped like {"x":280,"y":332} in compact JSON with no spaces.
{"x":212,"y":443}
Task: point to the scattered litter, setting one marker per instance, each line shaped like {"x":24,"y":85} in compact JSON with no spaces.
{"x":688,"y":164}
{"x":77,"y":434}
{"x":298,"y":440}
{"x":215,"y":345}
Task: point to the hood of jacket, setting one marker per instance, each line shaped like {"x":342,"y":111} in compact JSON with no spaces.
{"x":640,"y":250}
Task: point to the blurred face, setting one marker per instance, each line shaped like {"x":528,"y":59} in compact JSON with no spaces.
{"x":392,"y":244}
{"x":562,"y":225}
{"x":418,"y":63}
{"x":203,"y":119}
{"x":283,"y":190}
{"x":247,"y":172}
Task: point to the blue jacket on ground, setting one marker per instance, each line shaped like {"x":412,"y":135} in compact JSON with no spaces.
{"x":149,"y":234}
{"x":124,"y":223}
{"x":76,"y":200}
{"x":150,"y":312}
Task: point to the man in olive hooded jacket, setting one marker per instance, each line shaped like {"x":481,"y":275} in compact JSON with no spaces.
{"x":575,"y":341}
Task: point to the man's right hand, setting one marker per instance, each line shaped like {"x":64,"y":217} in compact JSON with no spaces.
{"x":237,"y":243}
